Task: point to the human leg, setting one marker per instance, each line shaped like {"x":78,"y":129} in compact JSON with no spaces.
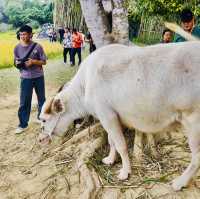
{"x":39,"y":86}
{"x":70,"y":55}
{"x":26,"y":90}
{"x":79,"y":55}
{"x":73,"y":53}
{"x":65,"y":55}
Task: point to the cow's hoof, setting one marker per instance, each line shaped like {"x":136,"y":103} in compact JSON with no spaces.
{"x":108,"y":161}
{"x":123,"y":174}
{"x":178,"y":184}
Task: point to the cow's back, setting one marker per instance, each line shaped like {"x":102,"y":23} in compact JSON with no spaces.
{"x":148,"y":84}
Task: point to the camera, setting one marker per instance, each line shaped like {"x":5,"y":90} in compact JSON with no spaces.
{"x":21,"y":64}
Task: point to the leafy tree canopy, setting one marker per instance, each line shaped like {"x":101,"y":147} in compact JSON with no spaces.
{"x":26,"y":11}
{"x":163,"y":8}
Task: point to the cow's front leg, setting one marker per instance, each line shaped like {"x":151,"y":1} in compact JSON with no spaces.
{"x":111,"y":123}
{"x":192,"y":125}
{"x":110,"y":159}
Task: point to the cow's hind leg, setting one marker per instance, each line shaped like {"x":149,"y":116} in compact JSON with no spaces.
{"x":192,"y":125}
{"x":110,"y":159}
{"x":138,"y":145}
{"x":111,"y":124}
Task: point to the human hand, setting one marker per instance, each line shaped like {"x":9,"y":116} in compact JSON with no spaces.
{"x":17,"y":62}
{"x":29,"y":63}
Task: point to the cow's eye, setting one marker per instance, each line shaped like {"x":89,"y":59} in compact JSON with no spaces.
{"x":43,"y":121}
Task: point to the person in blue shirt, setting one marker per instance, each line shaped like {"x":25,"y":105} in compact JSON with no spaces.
{"x":188,"y":24}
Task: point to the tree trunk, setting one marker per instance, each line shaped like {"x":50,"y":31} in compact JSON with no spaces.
{"x":120,"y":22}
{"x":67,"y":14}
{"x":107,"y":21}
{"x":96,"y":20}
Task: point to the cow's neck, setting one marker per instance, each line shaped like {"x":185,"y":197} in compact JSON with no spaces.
{"x":76,"y":102}
{"x":73,"y":96}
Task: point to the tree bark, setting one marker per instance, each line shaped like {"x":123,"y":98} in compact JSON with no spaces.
{"x":120,"y":22}
{"x":67,"y":14}
{"x":106,"y":20}
{"x":96,"y":20}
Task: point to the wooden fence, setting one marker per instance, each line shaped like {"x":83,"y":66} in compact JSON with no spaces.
{"x":150,"y":30}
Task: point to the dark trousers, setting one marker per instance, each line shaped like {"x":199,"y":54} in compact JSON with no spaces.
{"x":61,"y":39}
{"x":74,"y":51}
{"x":65,"y":52}
{"x":26,"y":91}
{"x":92,"y":48}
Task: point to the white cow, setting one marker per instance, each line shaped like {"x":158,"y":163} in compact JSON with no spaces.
{"x":147,"y":88}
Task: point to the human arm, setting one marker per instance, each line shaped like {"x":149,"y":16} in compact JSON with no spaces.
{"x":32,"y":62}
{"x":38,"y":58}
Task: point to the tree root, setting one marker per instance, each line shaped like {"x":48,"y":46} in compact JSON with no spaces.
{"x":89,"y":180}
{"x":87,"y":142}
{"x":85,"y":133}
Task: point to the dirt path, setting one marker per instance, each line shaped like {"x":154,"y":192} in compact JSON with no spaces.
{"x":28,"y":171}
{"x":20,"y":154}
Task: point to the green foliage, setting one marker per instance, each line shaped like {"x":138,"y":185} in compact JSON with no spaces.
{"x":163,"y":8}
{"x":147,"y":39}
{"x":144,"y":12}
{"x":29,"y":12}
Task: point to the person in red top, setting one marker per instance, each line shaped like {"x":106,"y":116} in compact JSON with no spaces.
{"x":77,"y":41}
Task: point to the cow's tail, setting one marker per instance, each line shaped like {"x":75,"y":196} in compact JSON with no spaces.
{"x":177,"y":29}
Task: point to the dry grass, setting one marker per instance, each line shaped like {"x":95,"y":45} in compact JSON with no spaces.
{"x":148,"y":172}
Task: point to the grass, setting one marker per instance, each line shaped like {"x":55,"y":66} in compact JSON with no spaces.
{"x":147,"y":39}
{"x":8,"y":41}
{"x":145,"y":174}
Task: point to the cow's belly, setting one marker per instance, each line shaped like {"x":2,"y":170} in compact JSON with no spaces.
{"x":148,"y":122}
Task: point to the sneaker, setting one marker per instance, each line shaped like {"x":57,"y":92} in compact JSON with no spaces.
{"x":20,"y":130}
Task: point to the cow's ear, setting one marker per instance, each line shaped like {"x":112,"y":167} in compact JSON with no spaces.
{"x":57,"y":106}
{"x":47,"y":108}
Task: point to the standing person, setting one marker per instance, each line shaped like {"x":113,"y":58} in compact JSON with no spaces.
{"x":67,"y":45}
{"x":29,"y":58}
{"x":83,"y":40}
{"x":188,"y":24}
{"x":91,"y":43}
{"x":50,"y":34}
{"x":61,"y":32}
{"x":167,"y":36}
{"x":54,"y":35}
{"x":76,"y":46}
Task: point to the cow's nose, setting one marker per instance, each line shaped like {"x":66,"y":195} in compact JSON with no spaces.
{"x":44,"y":139}
{"x":41,"y":140}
